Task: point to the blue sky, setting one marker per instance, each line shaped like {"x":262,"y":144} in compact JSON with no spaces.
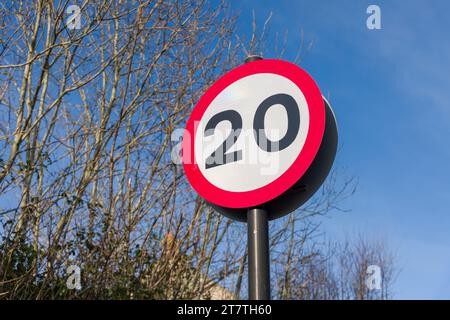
{"x":390,"y":90}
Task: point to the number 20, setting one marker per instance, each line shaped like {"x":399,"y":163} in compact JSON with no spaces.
{"x":293,"y":116}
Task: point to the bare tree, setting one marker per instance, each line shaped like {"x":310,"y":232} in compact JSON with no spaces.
{"x":340,"y":271}
{"x":86,"y":124}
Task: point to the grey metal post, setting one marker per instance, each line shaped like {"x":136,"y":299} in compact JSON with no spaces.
{"x":258,"y":255}
{"x":252,"y":58}
{"x":258,"y":246}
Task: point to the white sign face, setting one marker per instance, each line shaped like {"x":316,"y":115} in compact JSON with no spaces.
{"x":253,"y":134}
{"x":255,"y":167}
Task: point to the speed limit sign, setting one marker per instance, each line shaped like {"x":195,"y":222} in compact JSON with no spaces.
{"x":253,"y":137}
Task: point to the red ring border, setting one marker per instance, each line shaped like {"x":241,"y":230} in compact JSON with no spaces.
{"x":298,"y":168}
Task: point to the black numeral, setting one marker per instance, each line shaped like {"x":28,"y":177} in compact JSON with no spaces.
{"x":293,"y":116}
{"x":219,"y":157}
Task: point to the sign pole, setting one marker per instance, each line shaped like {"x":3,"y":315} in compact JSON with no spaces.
{"x":258,"y":246}
{"x":258,"y":254}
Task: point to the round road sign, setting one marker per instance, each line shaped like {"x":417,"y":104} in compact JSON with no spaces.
{"x":253,"y":135}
